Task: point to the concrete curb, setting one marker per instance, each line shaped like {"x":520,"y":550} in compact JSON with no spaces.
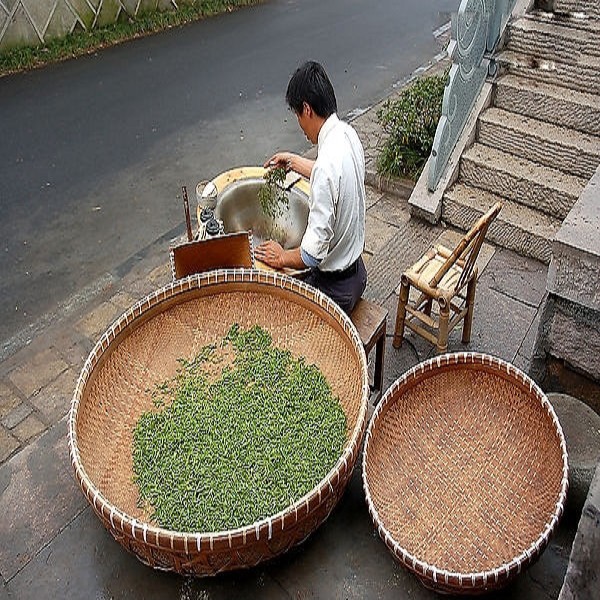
{"x":582,"y":581}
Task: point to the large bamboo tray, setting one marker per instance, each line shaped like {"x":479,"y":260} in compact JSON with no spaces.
{"x":141,"y":349}
{"x":465,"y":472}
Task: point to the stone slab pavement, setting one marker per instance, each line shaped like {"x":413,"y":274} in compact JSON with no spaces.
{"x":53,"y":546}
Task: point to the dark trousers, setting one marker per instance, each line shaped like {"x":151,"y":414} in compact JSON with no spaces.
{"x":344,"y":288}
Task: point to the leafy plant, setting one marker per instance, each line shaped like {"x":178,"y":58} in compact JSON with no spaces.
{"x":410,"y":122}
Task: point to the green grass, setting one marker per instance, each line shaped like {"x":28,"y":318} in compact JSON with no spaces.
{"x":86,"y":42}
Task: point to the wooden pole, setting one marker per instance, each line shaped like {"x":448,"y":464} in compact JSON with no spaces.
{"x":186,"y":208}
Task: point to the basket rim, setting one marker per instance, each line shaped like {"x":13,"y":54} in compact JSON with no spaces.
{"x":155,"y":535}
{"x":432,"y":572}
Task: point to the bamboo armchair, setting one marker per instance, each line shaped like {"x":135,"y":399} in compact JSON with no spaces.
{"x":448,"y":278}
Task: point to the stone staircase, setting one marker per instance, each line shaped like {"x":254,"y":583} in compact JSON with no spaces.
{"x":538,"y":144}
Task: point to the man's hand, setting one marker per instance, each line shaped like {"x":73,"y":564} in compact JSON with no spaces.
{"x":291,"y":162}
{"x":271,"y":253}
{"x":281,"y":159}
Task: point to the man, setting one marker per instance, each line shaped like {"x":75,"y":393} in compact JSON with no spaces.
{"x":334,"y":239}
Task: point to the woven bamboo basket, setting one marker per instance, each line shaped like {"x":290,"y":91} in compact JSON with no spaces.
{"x":465,"y":472}
{"x":141,"y":349}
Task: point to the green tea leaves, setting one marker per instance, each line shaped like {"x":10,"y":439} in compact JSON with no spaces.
{"x":238,"y":446}
{"x":272,"y":196}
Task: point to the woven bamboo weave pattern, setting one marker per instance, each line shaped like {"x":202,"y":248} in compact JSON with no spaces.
{"x":115,"y":389}
{"x":465,"y":469}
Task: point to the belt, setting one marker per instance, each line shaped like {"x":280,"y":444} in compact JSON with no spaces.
{"x":343,"y":274}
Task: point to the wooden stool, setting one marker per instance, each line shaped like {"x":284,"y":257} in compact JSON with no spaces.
{"x":369,"y":319}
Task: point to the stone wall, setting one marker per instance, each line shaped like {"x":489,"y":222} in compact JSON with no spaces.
{"x":32,"y":22}
{"x":570,"y":325}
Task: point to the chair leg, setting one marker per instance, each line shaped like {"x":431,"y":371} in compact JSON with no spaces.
{"x":444,"y":321}
{"x":401,"y":314}
{"x":378,"y":374}
{"x":470,"y":300}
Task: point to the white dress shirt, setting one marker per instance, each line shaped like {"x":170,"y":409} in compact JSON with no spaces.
{"x":335,"y":233}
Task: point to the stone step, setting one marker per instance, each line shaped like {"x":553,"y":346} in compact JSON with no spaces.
{"x":587,"y":8}
{"x":575,"y":20}
{"x":549,"y":145}
{"x":583,"y":77}
{"x":554,"y":41}
{"x":541,"y":188}
{"x":550,"y":103}
{"x":517,"y":227}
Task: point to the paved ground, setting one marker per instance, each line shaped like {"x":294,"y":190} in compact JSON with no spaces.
{"x":52,"y":544}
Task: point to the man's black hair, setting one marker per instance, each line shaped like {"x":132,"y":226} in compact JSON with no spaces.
{"x":310,"y":84}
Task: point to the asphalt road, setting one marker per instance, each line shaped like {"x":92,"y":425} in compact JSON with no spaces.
{"x":94,"y":151}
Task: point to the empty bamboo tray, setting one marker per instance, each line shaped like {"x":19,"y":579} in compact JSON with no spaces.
{"x":141,"y":349}
{"x":465,"y":472}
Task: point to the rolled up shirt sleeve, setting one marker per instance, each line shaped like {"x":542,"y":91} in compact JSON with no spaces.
{"x":308,"y":260}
